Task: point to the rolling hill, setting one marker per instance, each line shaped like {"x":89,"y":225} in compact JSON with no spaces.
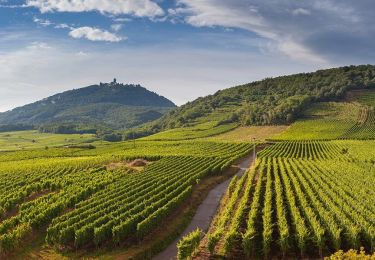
{"x":113,"y":105}
{"x":272,"y":101}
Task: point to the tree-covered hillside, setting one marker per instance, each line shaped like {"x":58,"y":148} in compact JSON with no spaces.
{"x":110,"y":104}
{"x":270,"y":101}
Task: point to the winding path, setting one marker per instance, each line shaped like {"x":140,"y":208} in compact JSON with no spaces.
{"x":205,"y":211}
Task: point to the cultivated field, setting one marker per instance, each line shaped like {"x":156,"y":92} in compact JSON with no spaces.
{"x":323,"y":121}
{"x":303,"y":198}
{"x":33,"y":139}
{"x":198,"y":131}
{"x":249,"y":133}
{"x":72,"y":199}
{"x":309,"y":194}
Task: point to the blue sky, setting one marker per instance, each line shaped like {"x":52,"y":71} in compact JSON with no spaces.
{"x":181,"y":49}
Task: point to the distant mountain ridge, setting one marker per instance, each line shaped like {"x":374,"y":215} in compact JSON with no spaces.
{"x":112,"y":104}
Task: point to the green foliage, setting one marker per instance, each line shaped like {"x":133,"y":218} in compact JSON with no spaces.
{"x":15,"y":127}
{"x":67,"y":129}
{"x":188,"y":244}
{"x":351,"y":254}
{"x":112,"y":137}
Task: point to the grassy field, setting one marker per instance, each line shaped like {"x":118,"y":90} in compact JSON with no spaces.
{"x":33,"y":139}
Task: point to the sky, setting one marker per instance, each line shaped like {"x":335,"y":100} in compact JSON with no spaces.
{"x":181,"y":49}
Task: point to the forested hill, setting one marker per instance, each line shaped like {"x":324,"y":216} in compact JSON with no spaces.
{"x":270,"y":101}
{"x":111,"y":104}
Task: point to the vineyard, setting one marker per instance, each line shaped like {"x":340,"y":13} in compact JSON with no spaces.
{"x":309,"y":193}
{"x":330,"y":121}
{"x":304,"y":150}
{"x":193,"y":132}
{"x":323,"y":121}
{"x":300,"y":199}
{"x":367,"y":98}
{"x":84,"y":203}
{"x":365,"y":126}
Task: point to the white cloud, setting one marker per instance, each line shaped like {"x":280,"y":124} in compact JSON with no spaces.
{"x":116,"y":27}
{"x":121,"y":20}
{"x":301,"y":11}
{"x":264,"y":19}
{"x":39,"y":45}
{"x":42,"y":22}
{"x":299,"y":51}
{"x":82,"y":54}
{"x":89,"y":33}
{"x":46,"y":22}
{"x":63,"y":26}
{"x":140,"y":8}
{"x":94,"y":34}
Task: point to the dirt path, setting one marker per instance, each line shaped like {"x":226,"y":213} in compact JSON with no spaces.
{"x":205,"y":211}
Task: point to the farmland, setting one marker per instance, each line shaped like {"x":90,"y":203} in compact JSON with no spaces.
{"x":198,"y":131}
{"x":309,"y":193}
{"x":301,"y":198}
{"x":82,"y":203}
{"x":249,"y":133}
{"x":33,"y":139}
{"x":366,"y":98}
{"x":328,"y":120}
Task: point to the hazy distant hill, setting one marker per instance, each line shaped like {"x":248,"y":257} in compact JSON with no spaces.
{"x":111,"y":104}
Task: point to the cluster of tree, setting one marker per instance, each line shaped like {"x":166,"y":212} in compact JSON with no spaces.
{"x":112,"y":137}
{"x":272,"y":100}
{"x":15,"y":127}
{"x":67,"y":129}
{"x":101,"y":132}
